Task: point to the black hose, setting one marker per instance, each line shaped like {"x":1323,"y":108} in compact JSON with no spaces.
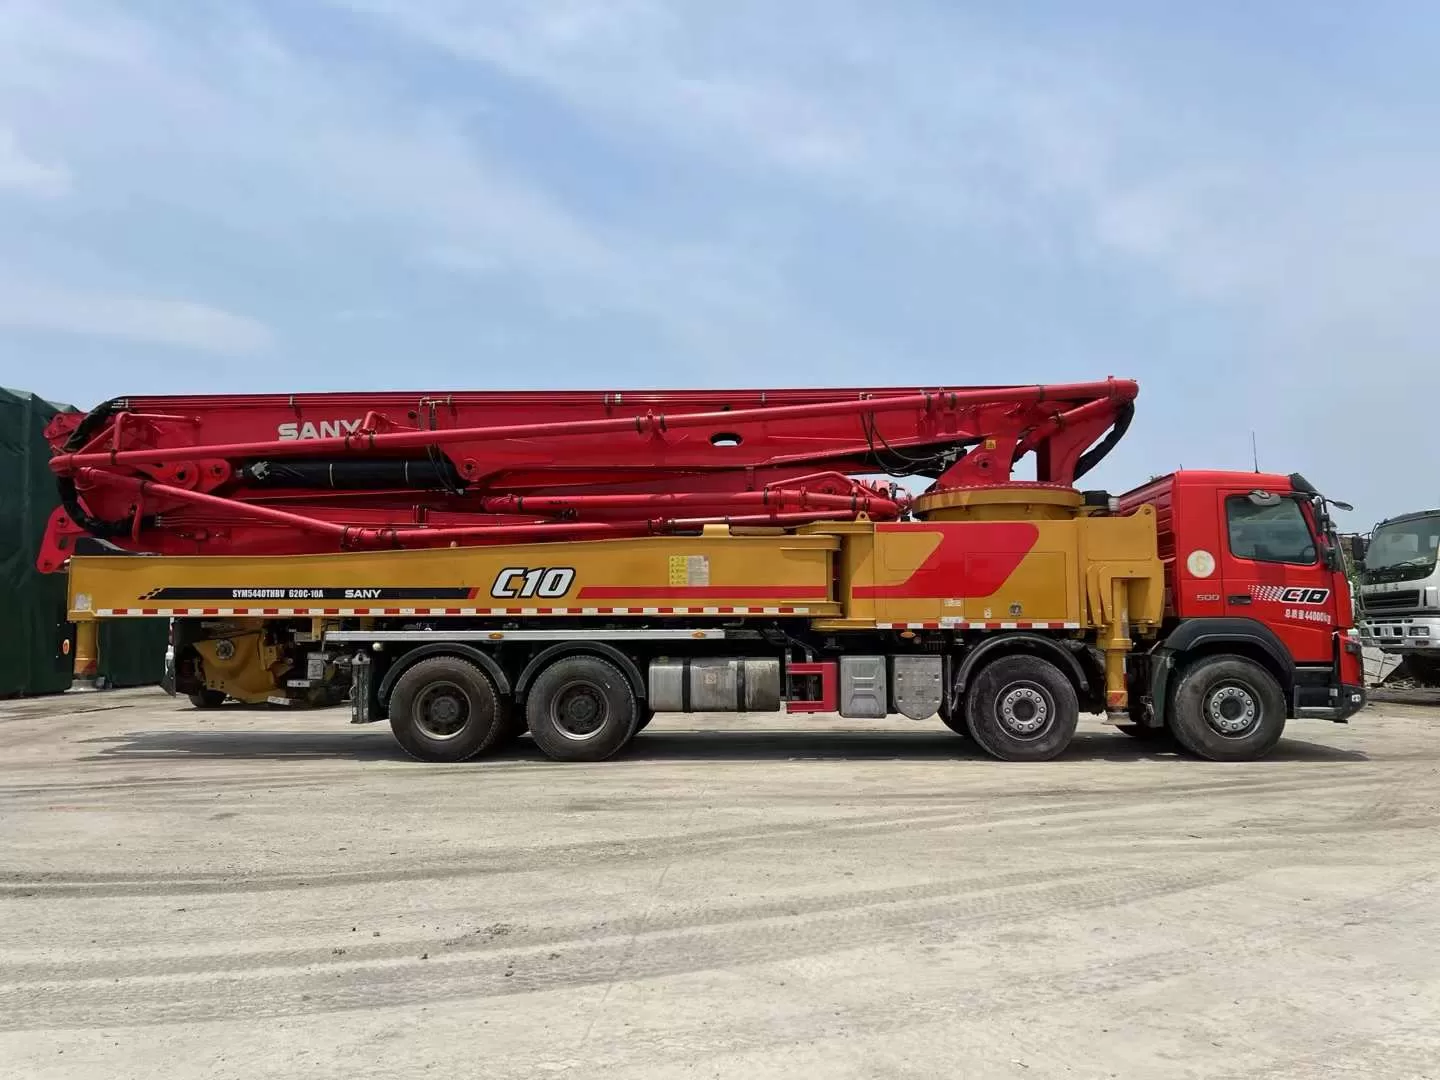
{"x":435,"y":473}
{"x":1101,"y":450}
{"x":70,"y":500}
{"x":92,"y":422}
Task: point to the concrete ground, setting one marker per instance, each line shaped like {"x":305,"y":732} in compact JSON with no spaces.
{"x":255,"y":893}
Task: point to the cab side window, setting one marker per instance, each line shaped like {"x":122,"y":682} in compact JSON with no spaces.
{"x":1277,"y":533}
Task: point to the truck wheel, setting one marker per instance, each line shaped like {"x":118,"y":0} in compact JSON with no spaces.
{"x":956,"y":722}
{"x":446,"y":709}
{"x":581,"y":708}
{"x":1227,"y":708}
{"x":207,"y":699}
{"x":646,"y":715}
{"x":1022,"y":708}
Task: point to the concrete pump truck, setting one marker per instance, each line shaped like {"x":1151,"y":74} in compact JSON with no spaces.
{"x":472,"y":566}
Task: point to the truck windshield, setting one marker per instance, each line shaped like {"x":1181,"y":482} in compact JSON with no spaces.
{"x":1403,"y":549}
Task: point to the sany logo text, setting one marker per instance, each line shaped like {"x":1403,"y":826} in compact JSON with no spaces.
{"x":325,"y":429}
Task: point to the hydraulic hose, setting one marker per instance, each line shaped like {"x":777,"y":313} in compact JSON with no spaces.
{"x":1101,"y":450}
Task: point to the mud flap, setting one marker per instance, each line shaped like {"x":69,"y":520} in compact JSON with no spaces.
{"x":1162,"y":667}
{"x":361,"y":690}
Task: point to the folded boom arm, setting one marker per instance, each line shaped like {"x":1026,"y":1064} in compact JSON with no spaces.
{"x":277,"y":474}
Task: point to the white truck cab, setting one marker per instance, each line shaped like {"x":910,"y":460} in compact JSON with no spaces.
{"x":1400,"y":588}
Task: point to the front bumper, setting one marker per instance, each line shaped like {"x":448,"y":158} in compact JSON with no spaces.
{"x":1346,"y":702}
{"x":1402,"y":633}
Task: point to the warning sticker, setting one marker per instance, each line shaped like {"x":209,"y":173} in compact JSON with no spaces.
{"x":689,"y":570}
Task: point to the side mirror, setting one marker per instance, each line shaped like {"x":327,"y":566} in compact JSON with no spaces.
{"x":1330,"y":555}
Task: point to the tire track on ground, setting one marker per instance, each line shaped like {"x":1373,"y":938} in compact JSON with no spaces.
{"x":28,"y":885}
{"x":519,"y":860}
{"x":507,"y":937}
{"x":461,"y":778}
{"x":982,"y":1001}
{"x":271,"y":993}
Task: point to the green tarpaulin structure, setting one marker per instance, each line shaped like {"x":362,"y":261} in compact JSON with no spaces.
{"x":34,"y":658}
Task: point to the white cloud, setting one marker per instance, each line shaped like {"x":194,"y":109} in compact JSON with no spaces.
{"x":925,"y":118}
{"x":23,"y":174}
{"x":1315,"y":260}
{"x":641,"y":63}
{"x":143,"y":319}
{"x":777,"y":141}
{"x":274,"y":143}
{"x":931,"y":119}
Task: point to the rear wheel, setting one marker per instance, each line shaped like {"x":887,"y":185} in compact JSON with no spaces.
{"x":581,"y":708}
{"x":1228,"y":708}
{"x":446,"y":709}
{"x":1022,"y":708}
{"x":207,"y":699}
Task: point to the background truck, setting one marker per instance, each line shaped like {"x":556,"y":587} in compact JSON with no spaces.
{"x":472,"y":566}
{"x":1400,"y":591}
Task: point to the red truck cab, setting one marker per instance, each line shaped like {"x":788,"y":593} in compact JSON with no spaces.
{"x":1253,"y":580}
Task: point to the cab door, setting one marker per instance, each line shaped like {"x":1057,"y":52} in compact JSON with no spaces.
{"x":1272,"y":570}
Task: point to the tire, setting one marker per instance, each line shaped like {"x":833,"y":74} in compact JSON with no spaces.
{"x":646,"y":715}
{"x":1013,"y":693}
{"x":1218,"y":694}
{"x":207,"y":699}
{"x":445,"y":709}
{"x":581,"y":708}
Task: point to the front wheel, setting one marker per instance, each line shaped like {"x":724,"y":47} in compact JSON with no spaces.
{"x":1228,"y":708}
{"x":207,"y":699}
{"x":1022,"y":708}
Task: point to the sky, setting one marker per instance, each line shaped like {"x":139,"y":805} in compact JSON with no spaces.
{"x":1233,"y":203}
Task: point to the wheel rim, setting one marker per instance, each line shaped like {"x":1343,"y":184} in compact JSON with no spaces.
{"x":1232,"y":711}
{"x":579,"y":711}
{"x":442,"y":710}
{"x":1024,"y":711}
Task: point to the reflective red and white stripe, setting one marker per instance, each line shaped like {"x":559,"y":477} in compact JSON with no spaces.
{"x":1267,"y":592}
{"x":252,"y":612}
{"x":968,"y":624}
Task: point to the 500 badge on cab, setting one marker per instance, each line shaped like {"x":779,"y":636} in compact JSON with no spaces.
{"x":526,"y":582}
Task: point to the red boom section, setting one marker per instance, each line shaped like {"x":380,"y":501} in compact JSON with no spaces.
{"x":278,"y":474}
